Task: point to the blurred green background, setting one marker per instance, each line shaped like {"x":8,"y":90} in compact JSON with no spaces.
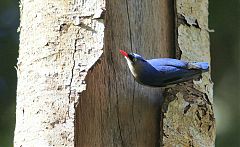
{"x":225,"y":45}
{"x":9,"y":21}
{"x":224,"y":18}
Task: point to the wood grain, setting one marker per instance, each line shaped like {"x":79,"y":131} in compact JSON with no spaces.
{"x":115,"y":110}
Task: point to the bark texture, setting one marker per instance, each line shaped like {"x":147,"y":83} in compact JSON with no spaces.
{"x":115,"y":110}
{"x":189,"y":119}
{"x":69,"y":61}
{"x":59,"y":42}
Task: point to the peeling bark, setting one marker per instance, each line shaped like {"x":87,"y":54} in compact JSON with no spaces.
{"x":75,"y":89}
{"x":59,"y":42}
{"x":189,"y":118}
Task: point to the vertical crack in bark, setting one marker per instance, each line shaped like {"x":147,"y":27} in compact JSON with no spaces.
{"x":117,"y":107}
{"x":71,"y":77}
{"x":177,"y":52}
{"x":134,"y":86}
{"x":101,"y":121}
{"x":129,"y":26}
{"x":161,"y":130}
{"x":119,"y":126}
{"x":133,"y":118}
{"x":118,"y":118}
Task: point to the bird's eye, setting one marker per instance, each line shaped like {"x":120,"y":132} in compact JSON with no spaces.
{"x":131,"y":57}
{"x":134,"y":59}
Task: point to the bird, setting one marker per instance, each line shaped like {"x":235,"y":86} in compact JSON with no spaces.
{"x":162,"y":72}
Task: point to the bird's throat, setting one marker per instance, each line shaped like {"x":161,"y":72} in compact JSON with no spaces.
{"x":131,"y":67}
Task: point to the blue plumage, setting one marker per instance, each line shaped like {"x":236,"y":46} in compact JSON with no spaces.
{"x":201,"y":65}
{"x":166,"y":63}
{"x":163,"y":71}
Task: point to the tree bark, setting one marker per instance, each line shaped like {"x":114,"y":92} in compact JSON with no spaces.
{"x":59,"y":42}
{"x":74,"y":88}
{"x":115,"y":110}
{"x":189,"y":119}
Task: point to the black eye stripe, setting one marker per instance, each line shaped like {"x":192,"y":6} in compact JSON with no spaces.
{"x":130,"y":57}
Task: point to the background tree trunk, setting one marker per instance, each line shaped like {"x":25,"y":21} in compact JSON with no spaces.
{"x":64,"y":67}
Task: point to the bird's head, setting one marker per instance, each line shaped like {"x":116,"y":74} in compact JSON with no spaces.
{"x":134,"y":61}
{"x":143,"y":72}
{"x":132,"y":58}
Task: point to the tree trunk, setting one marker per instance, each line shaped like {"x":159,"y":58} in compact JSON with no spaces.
{"x":189,"y":119}
{"x":59,"y":42}
{"x":75,"y":89}
{"x":115,"y":110}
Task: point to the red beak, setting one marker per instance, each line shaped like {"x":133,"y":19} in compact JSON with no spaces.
{"x":124,"y":53}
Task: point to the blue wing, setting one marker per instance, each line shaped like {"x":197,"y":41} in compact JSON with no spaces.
{"x":175,"y":71}
{"x":171,"y":65}
{"x":167,"y":62}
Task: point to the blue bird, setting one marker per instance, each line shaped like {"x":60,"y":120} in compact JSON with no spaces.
{"x":163,"y":71}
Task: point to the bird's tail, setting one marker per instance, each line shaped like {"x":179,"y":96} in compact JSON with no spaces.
{"x":204,"y":66}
